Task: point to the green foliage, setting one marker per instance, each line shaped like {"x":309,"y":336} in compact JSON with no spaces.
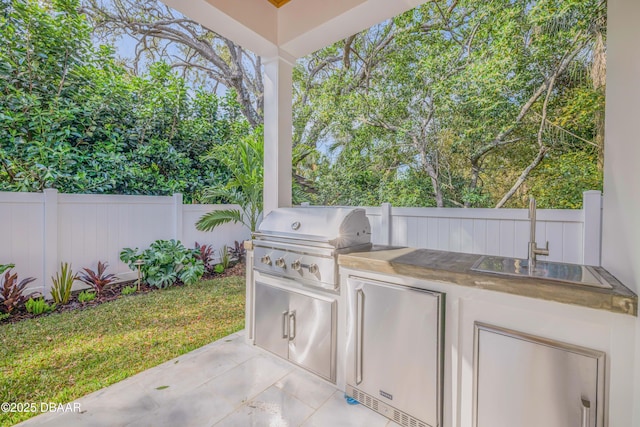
{"x":86,"y":296}
{"x":245,"y":161}
{"x":4,"y":316}
{"x":219,"y":268}
{"x":12,"y":290}
{"x":560,"y":182}
{"x":62,"y":283}
{"x":128,"y":290}
{"x":38,"y":306}
{"x":448,"y":104}
{"x":225,"y":257}
{"x":98,"y":280}
{"x":165,"y":262}
{"x":74,"y":119}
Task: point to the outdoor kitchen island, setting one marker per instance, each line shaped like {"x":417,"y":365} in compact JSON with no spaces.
{"x":517,"y":350}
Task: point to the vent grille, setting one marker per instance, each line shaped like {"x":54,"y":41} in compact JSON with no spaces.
{"x":374,"y":404}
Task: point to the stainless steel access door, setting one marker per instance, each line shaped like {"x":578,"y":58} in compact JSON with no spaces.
{"x":297,"y":327}
{"x":272,"y":319}
{"x":311,"y":343}
{"x":528,"y":381}
{"x":395,"y":348}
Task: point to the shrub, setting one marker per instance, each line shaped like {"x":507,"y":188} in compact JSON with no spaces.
{"x":128,"y":290}
{"x":219,"y":268}
{"x":238,"y":252}
{"x":62,"y":283}
{"x":205,"y":253}
{"x":11,"y":291}
{"x":38,"y":306}
{"x":97,"y":279}
{"x":86,"y":296}
{"x":4,"y":316}
{"x":165,"y":262}
{"x":225,"y":257}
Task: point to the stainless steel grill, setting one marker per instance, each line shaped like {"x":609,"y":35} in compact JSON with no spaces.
{"x":302,"y":243}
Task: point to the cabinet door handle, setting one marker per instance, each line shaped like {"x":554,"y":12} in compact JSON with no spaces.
{"x":285,"y":317}
{"x":586,"y":413}
{"x":292,"y":325}
{"x":359,"y":334}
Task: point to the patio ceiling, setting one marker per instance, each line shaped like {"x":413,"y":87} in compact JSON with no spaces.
{"x":297,"y":28}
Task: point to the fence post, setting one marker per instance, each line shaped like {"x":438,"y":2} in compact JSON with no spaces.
{"x":385,"y":224}
{"x":177,"y":216}
{"x":592,"y":240}
{"x":50,"y":230}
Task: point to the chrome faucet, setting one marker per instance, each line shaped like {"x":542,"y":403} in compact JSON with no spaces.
{"x":534,"y":250}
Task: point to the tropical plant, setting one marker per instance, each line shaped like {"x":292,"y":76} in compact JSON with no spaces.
{"x":38,"y":306}
{"x":244,"y":160}
{"x":5,"y":267}
{"x":165,"y":262}
{"x":128,"y":290}
{"x":238,"y":252}
{"x":206,"y":254}
{"x":11,"y":291}
{"x":62,"y":283}
{"x":98,"y":280}
{"x":225,"y":257}
{"x":86,"y":296}
{"x":219,"y":269}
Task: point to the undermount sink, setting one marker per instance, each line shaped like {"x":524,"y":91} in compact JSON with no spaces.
{"x":569,"y":273}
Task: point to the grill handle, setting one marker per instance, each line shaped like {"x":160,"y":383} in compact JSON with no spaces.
{"x":359,"y":333}
{"x":292,"y":325}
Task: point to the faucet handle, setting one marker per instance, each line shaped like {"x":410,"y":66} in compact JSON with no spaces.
{"x":544,"y":251}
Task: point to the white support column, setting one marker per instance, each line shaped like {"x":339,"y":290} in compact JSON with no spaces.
{"x":50,"y":246}
{"x":278,"y":124}
{"x":621,"y":205}
{"x":592,"y":240}
{"x":621,"y":222}
{"x":177,"y":216}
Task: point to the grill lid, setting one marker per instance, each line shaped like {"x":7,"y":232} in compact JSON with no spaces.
{"x":338,"y":227}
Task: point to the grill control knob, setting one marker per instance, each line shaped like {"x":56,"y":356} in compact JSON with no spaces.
{"x":280,"y":263}
{"x":296,"y":265}
{"x":313,"y":268}
{"x":266,"y":260}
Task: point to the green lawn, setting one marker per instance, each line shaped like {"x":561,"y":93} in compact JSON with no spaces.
{"x":61,"y":357}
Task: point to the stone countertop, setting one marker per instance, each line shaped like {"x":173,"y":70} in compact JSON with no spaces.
{"x":455,"y":268}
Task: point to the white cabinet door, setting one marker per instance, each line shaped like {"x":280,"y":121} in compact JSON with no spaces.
{"x":528,"y":381}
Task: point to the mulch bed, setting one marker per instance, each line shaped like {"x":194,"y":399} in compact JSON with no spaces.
{"x":114,"y":292}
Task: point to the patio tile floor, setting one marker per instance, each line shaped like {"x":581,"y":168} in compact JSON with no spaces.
{"x":227,"y":383}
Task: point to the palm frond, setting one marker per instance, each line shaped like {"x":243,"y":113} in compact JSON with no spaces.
{"x":211,"y":220}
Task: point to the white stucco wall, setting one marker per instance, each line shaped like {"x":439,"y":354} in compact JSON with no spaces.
{"x":621,"y":215}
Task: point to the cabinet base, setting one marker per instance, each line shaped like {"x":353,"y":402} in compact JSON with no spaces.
{"x":382,"y":408}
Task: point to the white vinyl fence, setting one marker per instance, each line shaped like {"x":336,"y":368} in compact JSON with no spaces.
{"x":41,"y":230}
{"x":574,"y":236}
